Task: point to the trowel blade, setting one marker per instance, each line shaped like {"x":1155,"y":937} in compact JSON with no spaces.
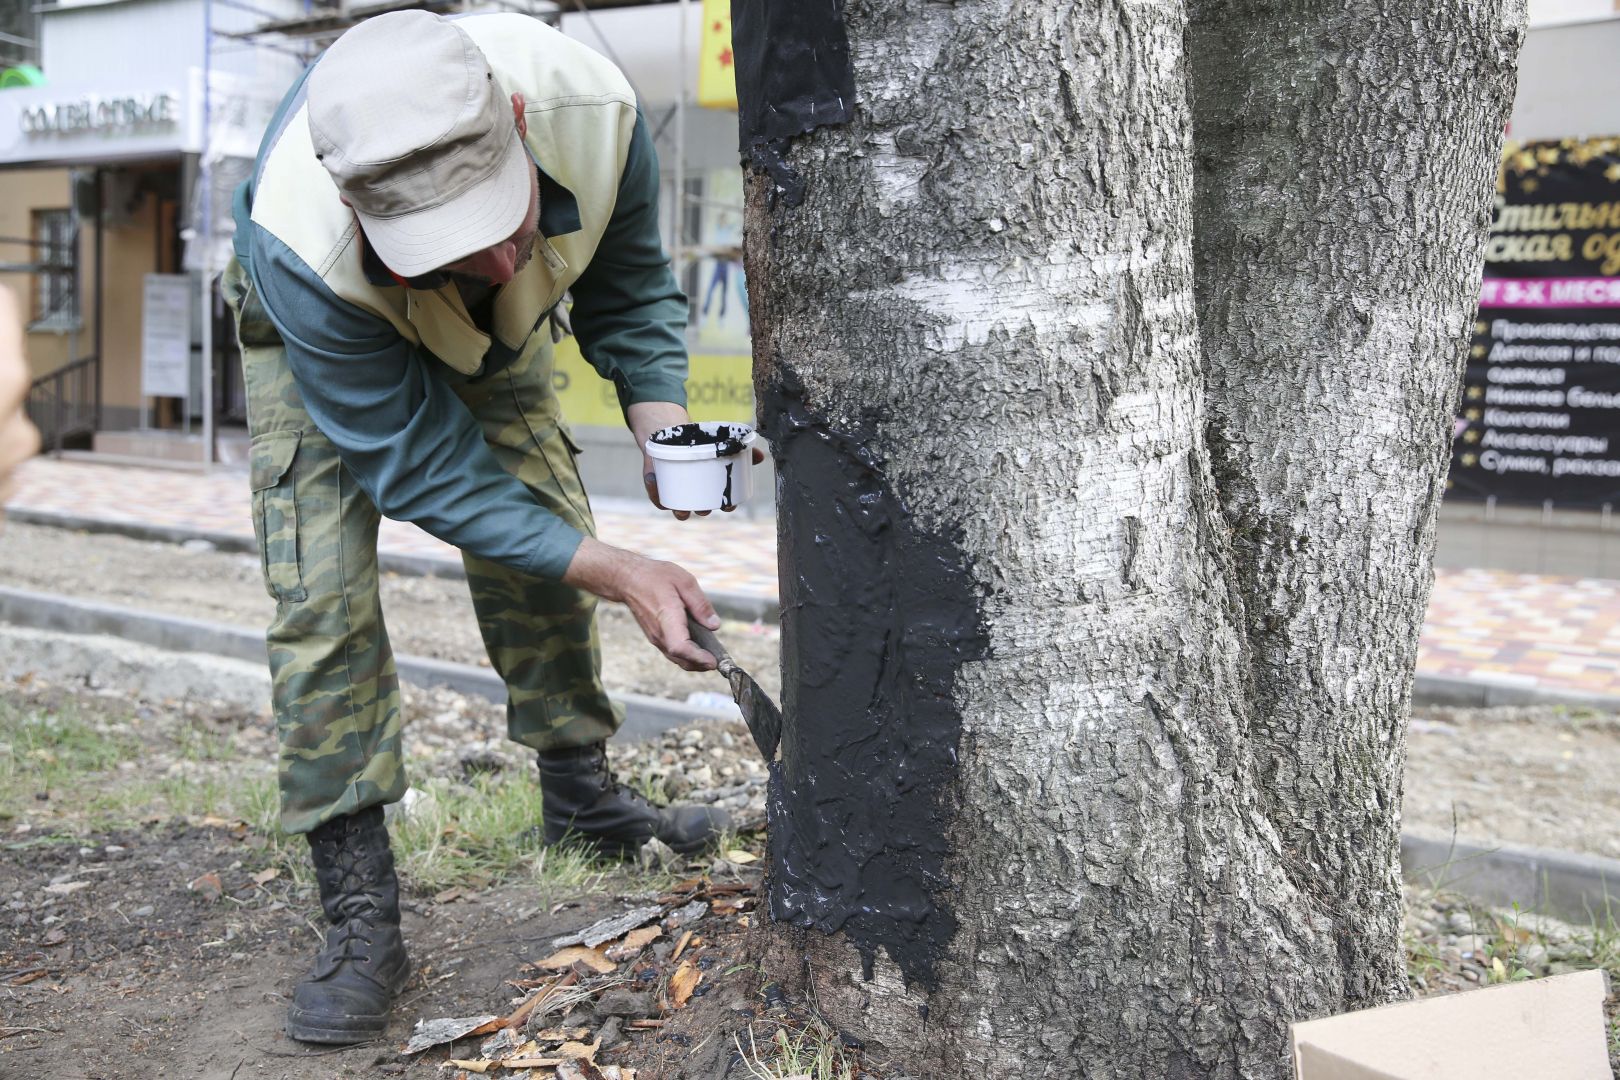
{"x":759,"y":712}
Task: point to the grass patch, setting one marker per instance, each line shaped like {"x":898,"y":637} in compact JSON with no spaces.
{"x":806,"y":1048}
{"x":483,"y":832}
{"x":473,"y":834}
{"x":47,"y":751}
{"x":470,"y":835}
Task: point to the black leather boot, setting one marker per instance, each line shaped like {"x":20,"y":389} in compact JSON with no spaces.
{"x":346,"y":996}
{"x":581,"y":797}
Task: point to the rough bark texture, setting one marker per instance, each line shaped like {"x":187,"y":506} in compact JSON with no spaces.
{"x":1345,"y":157}
{"x":981,"y":322}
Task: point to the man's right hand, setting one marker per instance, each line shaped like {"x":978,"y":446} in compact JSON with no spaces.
{"x":659,"y":594}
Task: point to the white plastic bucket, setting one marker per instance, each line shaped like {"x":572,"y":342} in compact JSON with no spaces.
{"x":703,"y":466}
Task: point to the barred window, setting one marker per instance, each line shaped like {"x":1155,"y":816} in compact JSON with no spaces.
{"x":55,"y":301}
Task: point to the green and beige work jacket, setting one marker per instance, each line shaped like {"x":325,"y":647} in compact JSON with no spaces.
{"x":375,"y":359}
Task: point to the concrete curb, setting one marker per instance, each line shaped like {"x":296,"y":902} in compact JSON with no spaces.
{"x":644,"y":715}
{"x":1569,"y":886}
{"x":1483,"y":693}
{"x":748,"y":607}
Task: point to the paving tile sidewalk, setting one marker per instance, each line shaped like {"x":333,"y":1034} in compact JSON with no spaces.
{"x":728,"y":553}
{"x":1517,"y":630}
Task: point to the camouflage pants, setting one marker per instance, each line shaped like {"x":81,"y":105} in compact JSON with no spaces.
{"x":334,"y":691}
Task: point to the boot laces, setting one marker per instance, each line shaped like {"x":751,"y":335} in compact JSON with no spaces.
{"x":342,"y":939}
{"x":613,"y":785}
{"x":357,"y":907}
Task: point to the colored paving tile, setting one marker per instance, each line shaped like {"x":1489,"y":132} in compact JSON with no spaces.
{"x":1508,"y":628}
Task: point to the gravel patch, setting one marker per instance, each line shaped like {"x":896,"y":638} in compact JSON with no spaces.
{"x":429,"y":617}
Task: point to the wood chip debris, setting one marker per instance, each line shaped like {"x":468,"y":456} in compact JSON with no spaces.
{"x":686,"y":914}
{"x":431,"y":1033}
{"x":612,"y":955}
{"x":609,"y":929}
{"x":504,"y":1043}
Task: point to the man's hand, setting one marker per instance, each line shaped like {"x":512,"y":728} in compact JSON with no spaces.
{"x":18,"y":439}
{"x":659,"y":594}
{"x":647,"y":417}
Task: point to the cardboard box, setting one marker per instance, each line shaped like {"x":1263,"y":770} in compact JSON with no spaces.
{"x":1539,"y":1029}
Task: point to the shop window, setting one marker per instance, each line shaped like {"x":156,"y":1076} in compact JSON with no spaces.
{"x":56,"y":302}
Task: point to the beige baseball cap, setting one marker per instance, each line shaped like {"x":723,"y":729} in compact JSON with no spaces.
{"x":410,"y":122}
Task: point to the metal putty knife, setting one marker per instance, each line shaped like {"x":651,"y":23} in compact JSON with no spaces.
{"x":763,"y":718}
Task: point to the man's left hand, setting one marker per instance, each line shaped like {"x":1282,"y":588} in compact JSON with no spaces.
{"x":647,"y":417}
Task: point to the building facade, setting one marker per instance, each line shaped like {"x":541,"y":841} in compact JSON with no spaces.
{"x":116,"y":167}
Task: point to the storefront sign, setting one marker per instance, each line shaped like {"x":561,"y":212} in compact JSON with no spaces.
{"x":96,"y":113}
{"x":718,"y":387}
{"x":166,"y":335}
{"x":1541,"y":398}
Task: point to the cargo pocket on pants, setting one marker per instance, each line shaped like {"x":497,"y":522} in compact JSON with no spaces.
{"x":275,"y":513}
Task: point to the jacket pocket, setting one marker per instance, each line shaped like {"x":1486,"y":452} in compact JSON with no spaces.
{"x":568,"y":439}
{"x":274,"y":481}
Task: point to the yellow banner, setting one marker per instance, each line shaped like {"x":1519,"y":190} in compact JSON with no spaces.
{"x":718,"y":387}
{"x":717,"y":79}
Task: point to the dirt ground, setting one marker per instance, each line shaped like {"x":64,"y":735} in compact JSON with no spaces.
{"x":153,"y":922}
{"x":1537,"y":776}
{"x":151,"y":930}
{"x":140,"y":977}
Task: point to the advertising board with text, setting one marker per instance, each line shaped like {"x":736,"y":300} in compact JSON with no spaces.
{"x":718,"y":387}
{"x":1540,"y":416}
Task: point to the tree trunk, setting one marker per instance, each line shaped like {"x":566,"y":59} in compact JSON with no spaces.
{"x":1345,"y":154}
{"x":1027,"y":821}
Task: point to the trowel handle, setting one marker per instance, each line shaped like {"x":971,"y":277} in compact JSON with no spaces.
{"x":706,"y":640}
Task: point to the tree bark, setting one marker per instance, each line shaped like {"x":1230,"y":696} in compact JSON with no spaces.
{"x":1345,"y":151}
{"x":1027,"y":821}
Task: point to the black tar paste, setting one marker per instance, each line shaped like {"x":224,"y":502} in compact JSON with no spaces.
{"x":727,"y":439}
{"x":877,"y":617}
{"x":793,"y":76}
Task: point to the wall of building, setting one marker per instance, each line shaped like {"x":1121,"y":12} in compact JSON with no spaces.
{"x":22,"y":192}
{"x":135,"y":243}
{"x":1549,"y":12}
{"x":131,"y":241}
{"x":1569,"y":82}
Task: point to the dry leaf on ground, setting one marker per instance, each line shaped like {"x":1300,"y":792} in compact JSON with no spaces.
{"x":683,"y":982}
{"x":472,"y":1066}
{"x":741,"y":857}
{"x":211,"y":821}
{"x":578,"y":1051}
{"x":208,"y":886}
{"x":561,"y":1034}
{"x":264,"y":877}
{"x":634,"y":942}
{"x":68,"y":888}
{"x":563,"y":959}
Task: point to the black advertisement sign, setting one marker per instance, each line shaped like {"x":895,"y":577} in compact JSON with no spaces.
{"x":1540,"y":413}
